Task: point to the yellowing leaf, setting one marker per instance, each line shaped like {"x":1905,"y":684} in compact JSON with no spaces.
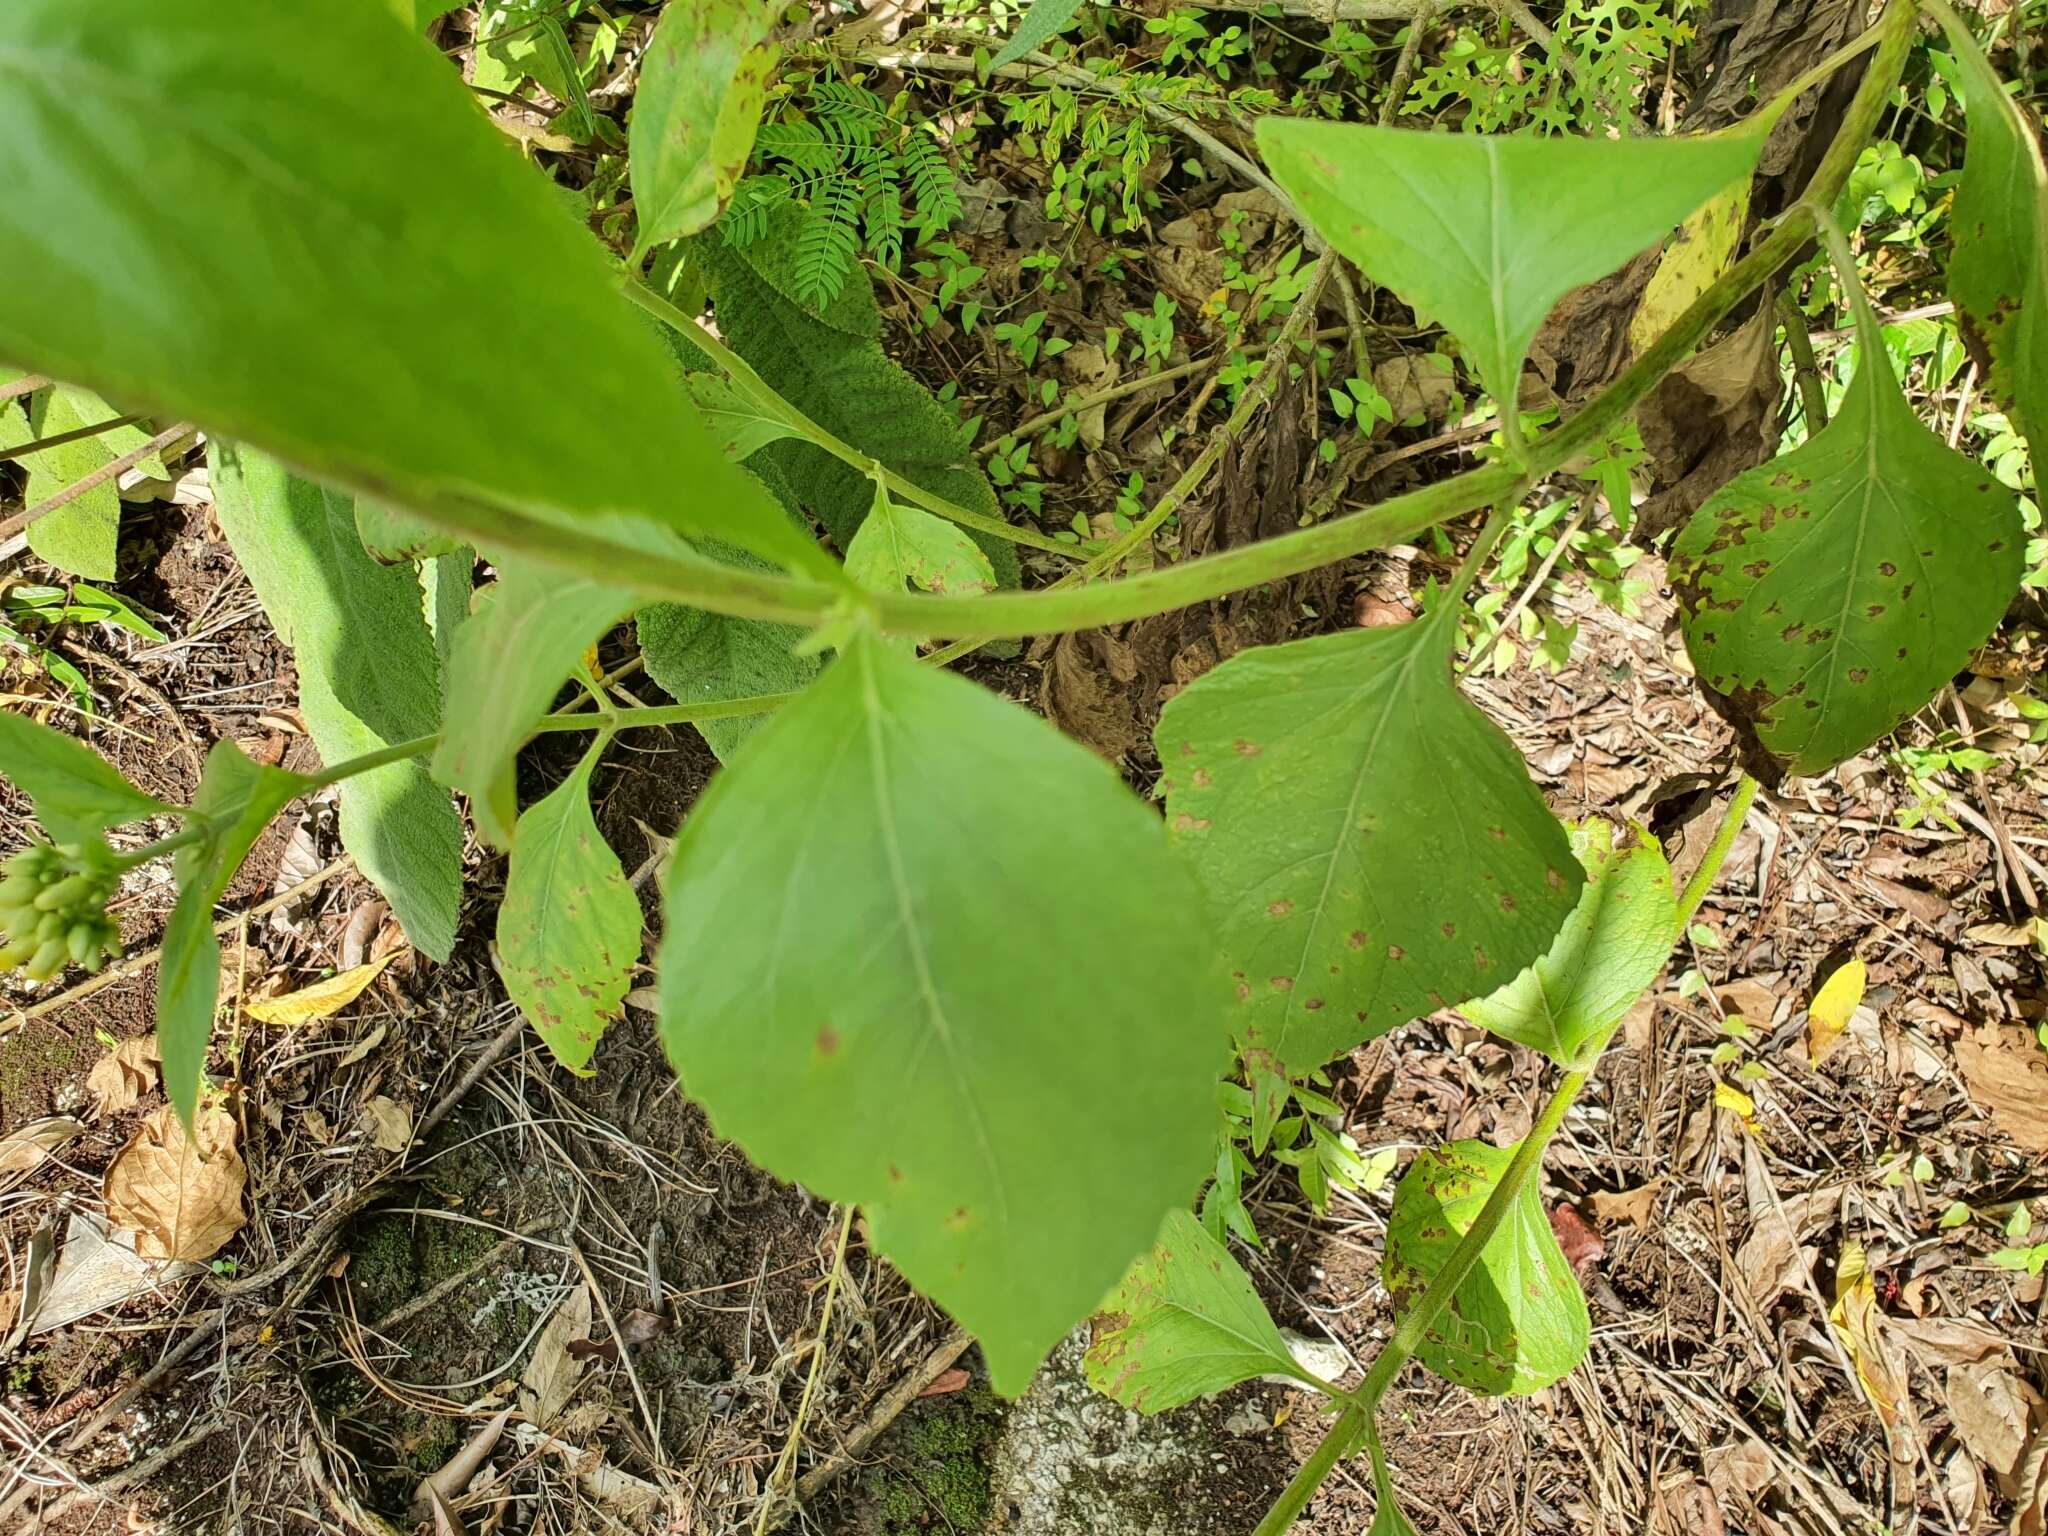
{"x":1832,"y":1008}
{"x":320,"y":999}
{"x":1699,"y":253}
{"x":1736,"y":1102}
{"x":181,"y":1196}
{"x":1859,"y":1325}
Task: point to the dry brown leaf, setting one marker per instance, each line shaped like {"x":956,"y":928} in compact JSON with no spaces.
{"x":390,"y":1124}
{"x":2007,"y":1074}
{"x":1994,"y":1412}
{"x":1637,"y":1207}
{"x":1949,"y":1341}
{"x":320,"y":999}
{"x":124,"y":1074}
{"x":551,"y":1372}
{"x":25,"y":1147}
{"x":1746,"y":1465}
{"x":180,"y":1196}
{"x":2030,"y":1517}
{"x":362,"y":1048}
{"x":1749,"y":1000}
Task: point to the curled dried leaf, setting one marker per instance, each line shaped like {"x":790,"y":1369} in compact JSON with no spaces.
{"x":180,"y":1194}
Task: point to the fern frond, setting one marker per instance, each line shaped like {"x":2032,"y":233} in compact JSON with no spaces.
{"x":934,"y":190}
{"x":882,"y":219}
{"x":746,"y":216}
{"x":829,"y":243}
{"x":850,"y":114}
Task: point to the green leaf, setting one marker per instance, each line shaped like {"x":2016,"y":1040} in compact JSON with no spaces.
{"x":569,"y":928}
{"x":736,"y":422}
{"x":235,"y":802}
{"x":1609,"y":951}
{"x":1370,"y":842}
{"x":899,"y":546}
{"x":1519,"y":1321}
{"x":273,"y":278}
{"x":1041,"y":24}
{"x":76,"y":792}
{"x":1185,"y":1323}
{"x":393,"y":535}
{"x":1486,"y":233}
{"x":1829,"y":594}
{"x":368,"y":677}
{"x":82,"y":537}
{"x":1998,"y":271}
{"x":703,"y":81}
{"x":996,"y":1031}
{"x":701,"y":658}
{"x":419,"y":14}
{"x":506,"y":663}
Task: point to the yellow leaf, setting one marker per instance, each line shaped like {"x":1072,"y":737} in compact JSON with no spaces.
{"x":1700,"y":252}
{"x":1858,"y":1324}
{"x":320,"y":999}
{"x":1832,"y":1007}
{"x":1733,"y":1099}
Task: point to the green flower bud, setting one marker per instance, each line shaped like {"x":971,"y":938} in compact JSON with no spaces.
{"x":47,"y":961}
{"x":16,"y":952}
{"x":19,"y":890}
{"x":82,"y":940}
{"x":51,"y":926}
{"x":65,"y":894}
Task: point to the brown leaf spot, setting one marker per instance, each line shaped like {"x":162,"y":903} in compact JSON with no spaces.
{"x":1280,"y":908}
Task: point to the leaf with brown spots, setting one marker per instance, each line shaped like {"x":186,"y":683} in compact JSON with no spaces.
{"x":1519,"y":1321}
{"x":1185,"y":1323}
{"x":1827,"y":595}
{"x":702,"y":86}
{"x":569,"y":928}
{"x":1609,"y":951}
{"x":1370,"y":843}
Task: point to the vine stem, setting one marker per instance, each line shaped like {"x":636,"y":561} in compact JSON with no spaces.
{"x":785,"y":1464}
{"x":1356,"y":1419}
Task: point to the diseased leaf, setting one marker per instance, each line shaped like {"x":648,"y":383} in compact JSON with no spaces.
{"x":1046,"y":20}
{"x":846,"y":987}
{"x":900,"y":546}
{"x":1829,"y":594}
{"x":1998,"y":270}
{"x":507,"y":661}
{"x":700,"y":658}
{"x":1607,"y":954}
{"x":76,"y":792}
{"x":391,"y":535}
{"x":314,"y":264}
{"x":236,"y":798}
{"x":1519,"y":1322}
{"x":1185,"y":1323}
{"x":703,"y":81}
{"x":1828,"y":1015}
{"x":83,"y":536}
{"x":322,"y":999}
{"x":1485,"y":233}
{"x":1370,"y":843}
{"x":180,"y":1193}
{"x":369,"y":677}
{"x":1705,"y":246}
{"x":569,"y":928}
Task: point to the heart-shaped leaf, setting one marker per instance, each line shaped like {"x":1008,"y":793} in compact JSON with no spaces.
{"x":1827,"y":595}
{"x":1518,"y":1322}
{"x":1608,"y":952}
{"x":1185,"y":1323}
{"x":1486,"y":233}
{"x":1370,"y":843}
{"x":858,"y":982}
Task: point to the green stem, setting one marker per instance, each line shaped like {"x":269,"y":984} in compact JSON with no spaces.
{"x":1331,"y":1449}
{"x":763,"y":396}
{"x":1717,"y":851}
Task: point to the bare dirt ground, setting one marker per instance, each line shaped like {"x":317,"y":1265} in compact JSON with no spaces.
{"x":387,"y":1299}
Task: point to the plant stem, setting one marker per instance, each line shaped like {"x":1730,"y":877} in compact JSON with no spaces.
{"x":1805,"y":367}
{"x":785,"y":1464}
{"x":1331,"y":1449}
{"x":1703,"y":878}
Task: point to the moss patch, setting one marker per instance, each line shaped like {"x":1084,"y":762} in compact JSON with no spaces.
{"x":933,"y":1476}
{"x":35,"y":1062}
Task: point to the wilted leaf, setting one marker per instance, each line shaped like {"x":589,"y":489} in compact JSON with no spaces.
{"x":1693,"y":259}
{"x":1860,"y":1326}
{"x":124,"y":1074}
{"x":321,"y":999}
{"x":551,"y":1372}
{"x":181,"y":1196}
{"x":390,"y":1124}
{"x":25,"y":1147}
{"x":703,"y":81}
{"x":1185,"y":1323}
{"x":1519,"y":1321}
{"x":1832,"y":1008}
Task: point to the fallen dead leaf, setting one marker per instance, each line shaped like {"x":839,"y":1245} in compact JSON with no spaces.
{"x":1994,"y":1411}
{"x":390,"y":1124}
{"x":2006,"y":1072}
{"x":1637,"y":1207}
{"x":25,"y":1147}
{"x":362,"y":1048}
{"x":1949,"y":1341}
{"x":1746,"y":1465}
{"x":1860,"y":1326}
{"x":181,"y":1196}
{"x":2032,"y":934}
{"x":1832,"y":1007}
{"x":946,"y":1381}
{"x":1749,"y":1000}
{"x":320,"y":999}
{"x":551,"y":1372}
{"x":124,"y":1074}
{"x":2030,"y":1518}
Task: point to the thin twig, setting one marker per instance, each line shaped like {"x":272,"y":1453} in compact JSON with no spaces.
{"x":27,"y":384}
{"x":93,"y":481}
{"x":59,"y":439}
{"x":884,"y":1413}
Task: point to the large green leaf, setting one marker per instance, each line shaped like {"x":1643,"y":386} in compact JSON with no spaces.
{"x":1998,"y":272}
{"x":888,"y":977}
{"x":83,"y":536}
{"x":1486,"y":233}
{"x":569,"y":928}
{"x":235,"y":802}
{"x":703,"y":80}
{"x":1370,"y":843}
{"x":1185,"y":1323}
{"x":1518,"y":1323}
{"x":368,"y":677}
{"x":1041,"y":24}
{"x":1827,"y":595}
{"x":76,"y":792}
{"x":290,"y":224}
{"x":506,"y":663}
{"x":1608,"y":952}
{"x":700,"y":658}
